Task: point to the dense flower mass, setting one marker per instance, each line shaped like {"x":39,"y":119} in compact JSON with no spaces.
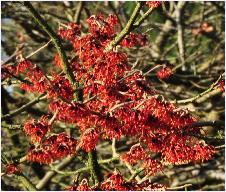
{"x":136,"y":153}
{"x":52,"y":148}
{"x":116,"y":182}
{"x":116,"y":103}
{"x":36,"y":129}
{"x":124,"y":104}
{"x":120,"y":104}
{"x":89,"y":139}
{"x":72,"y":31}
{"x":152,"y":166}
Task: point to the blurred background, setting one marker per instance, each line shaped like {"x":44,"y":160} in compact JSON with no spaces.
{"x":188,"y":36}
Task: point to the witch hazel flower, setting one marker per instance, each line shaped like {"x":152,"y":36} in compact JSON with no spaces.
{"x":164,"y":73}
{"x":72,"y":31}
{"x":52,"y":148}
{"x":36,"y":129}
{"x":35,"y":76}
{"x":221,"y":85}
{"x":136,"y":153}
{"x":133,"y":39}
{"x":153,"y":4}
{"x":89,"y":139}
{"x":141,"y":114}
{"x":152,"y":166}
{"x":83,"y":186}
{"x":12,"y":169}
{"x":60,"y":87}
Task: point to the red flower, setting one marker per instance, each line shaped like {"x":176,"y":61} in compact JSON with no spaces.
{"x":12,"y":169}
{"x":23,"y":66}
{"x":84,"y":186}
{"x":71,"y":33}
{"x":60,"y":86}
{"x":133,"y":39}
{"x":7,"y":71}
{"x":53,"y":148}
{"x":89,"y":139}
{"x":147,"y":186}
{"x":153,"y":4}
{"x":38,"y":81}
{"x":36,"y":129}
{"x":164,"y":73}
{"x":181,"y":150}
{"x":152,"y":166}
{"x":102,"y":28}
{"x":222,"y":85}
{"x":136,"y":153}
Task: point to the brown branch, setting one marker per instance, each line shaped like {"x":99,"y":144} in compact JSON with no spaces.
{"x":24,"y":107}
{"x":190,"y":100}
{"x":57,"y":43}
{"x":127,"y":29}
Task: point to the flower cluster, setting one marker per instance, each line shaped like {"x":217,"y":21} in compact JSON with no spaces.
{"x":123,"y":104}
{"x":152,"y":166}
{"x":89,"y":139}
{"x":164,"y":73}
{"x":116,"y":182}
{"x":153,"y":4}
{"x":7,"y":71}
{"x":102,"y":28}
{"x":83,"y":186}
{"x":116,"y":104}
{"x":203,"y":28}
{"x":133,"y":39}
{"x":52,"y":148}
{"x":222,"y":85}
{"x":36,"y":129}
{"x":136,"y":153}
{"x":72,"y":31}
{"x":12,"y":169}
{"x":37,"y":81}
{"x":58,"y":86}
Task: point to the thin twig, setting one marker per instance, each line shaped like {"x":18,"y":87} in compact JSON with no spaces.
{"x":18,"y":49}
{"x":105,"y":161}
{"x":190,"y":100}
{"x":179,"y":187}
{"x":127,"y":29}
{"x":53,"y":118}
{"x":114,"y":152}
{"x":78,"y":11}
{"x":24,"y":107}
{"x":208,"y":123}
{"x":42,"y":183}
{"x":135,"y":174}
{"x":180,"y":31}
{"x":142,"y":18}
{"x":12,"y":127}
{"x":157,"y":66}
{"x":26,"y":182}
{"x":57,"y":43}
{"x":39,"y":49}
